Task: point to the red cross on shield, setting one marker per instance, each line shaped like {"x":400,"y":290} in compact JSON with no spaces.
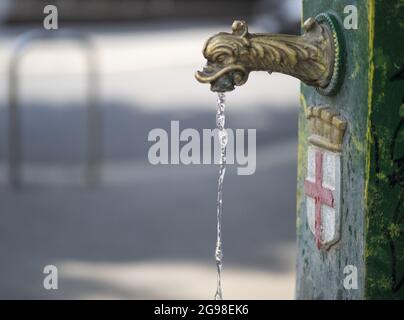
{"x":322,"y":189}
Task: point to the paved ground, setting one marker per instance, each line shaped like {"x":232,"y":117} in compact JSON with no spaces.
{"x":147,"y":231}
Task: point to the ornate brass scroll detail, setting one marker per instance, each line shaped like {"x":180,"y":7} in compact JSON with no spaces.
{"x":310,"y":57}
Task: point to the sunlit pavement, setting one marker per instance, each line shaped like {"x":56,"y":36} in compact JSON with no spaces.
{"x":179,"y":280}
{"x":147,"y":232}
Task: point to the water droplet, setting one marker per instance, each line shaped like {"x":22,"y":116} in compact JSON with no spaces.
{"x":220,"y":121}
{"x":223,"y":138}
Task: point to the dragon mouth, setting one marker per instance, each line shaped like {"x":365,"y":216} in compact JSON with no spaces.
{"x":222,"y":79}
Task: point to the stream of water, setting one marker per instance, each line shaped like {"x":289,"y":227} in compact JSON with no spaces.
{"x":220,"y":123}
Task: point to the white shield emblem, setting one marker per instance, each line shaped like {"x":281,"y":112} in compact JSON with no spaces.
{"x":322,"y":188}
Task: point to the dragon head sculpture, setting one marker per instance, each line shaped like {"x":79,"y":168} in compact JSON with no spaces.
{"x":225,"y":53}
{"x":316,"y":57}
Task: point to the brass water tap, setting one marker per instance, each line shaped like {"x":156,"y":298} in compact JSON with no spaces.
{"x":316,"y":57}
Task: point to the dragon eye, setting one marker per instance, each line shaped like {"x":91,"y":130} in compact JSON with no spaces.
{"x":221,"y":58}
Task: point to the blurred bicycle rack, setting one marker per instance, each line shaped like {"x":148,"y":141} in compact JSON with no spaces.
{"x":94,"y":128}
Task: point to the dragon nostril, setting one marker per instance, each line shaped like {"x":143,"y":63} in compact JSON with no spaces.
{"x":238,"y":78}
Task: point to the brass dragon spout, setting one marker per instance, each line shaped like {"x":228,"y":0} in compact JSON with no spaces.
{"x":316,"y":57}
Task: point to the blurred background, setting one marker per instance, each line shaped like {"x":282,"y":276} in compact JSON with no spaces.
{"x":144,"y":232}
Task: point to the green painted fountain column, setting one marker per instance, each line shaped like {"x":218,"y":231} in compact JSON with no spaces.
{"x":367,"y":260}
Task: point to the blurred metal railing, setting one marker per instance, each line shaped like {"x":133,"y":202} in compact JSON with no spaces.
{"x":94,"y":114}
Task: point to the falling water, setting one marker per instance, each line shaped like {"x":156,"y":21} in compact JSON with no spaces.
{"x":220,"y":122}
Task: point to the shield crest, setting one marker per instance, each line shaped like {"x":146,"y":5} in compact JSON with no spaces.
{"x":322,"y":186}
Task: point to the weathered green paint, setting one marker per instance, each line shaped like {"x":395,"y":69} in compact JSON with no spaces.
{"x":384,"y":254}
{"x":372,"y":234}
